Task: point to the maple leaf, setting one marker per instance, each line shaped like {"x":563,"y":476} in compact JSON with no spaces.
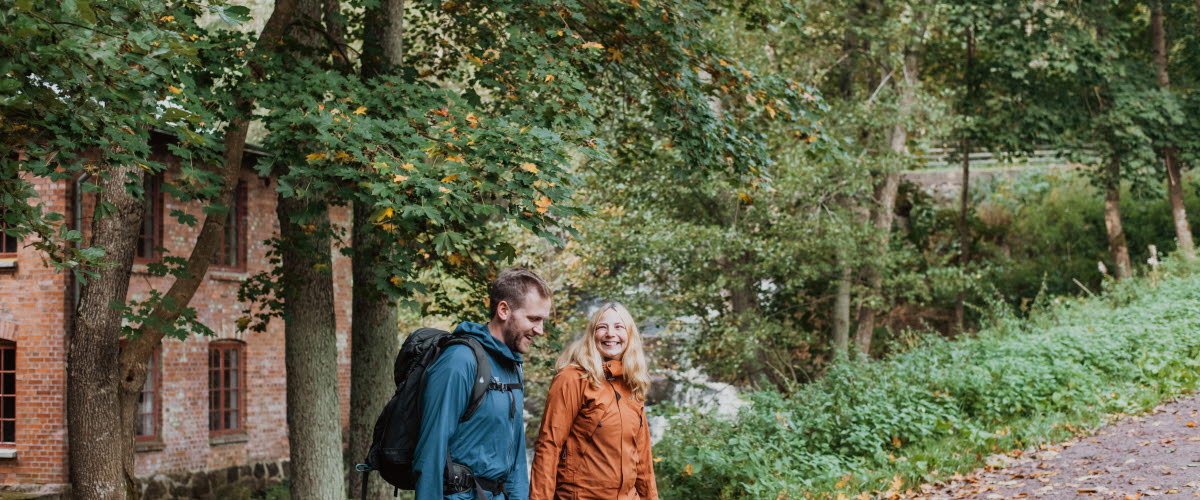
{"x":745,"y":198}
{"x":543,"y":204}
{"x":592,"y":45}
{"x":457,"y":158}
{"x":843,"y":482}
{"x":687,"y":471}
{"x":450,"y":178}
{"x":441,"y":112}
{"x":443,"y":189}
{"x":455,"y":259}
{"x":173,"y":89}
{"x":399,"y":178}
{"x":473,"y":120}
{"x":408,"y":166}
{"x":362,"y":110}
{"x":396,"y":280}
{"x":529,"y":167}
{"x":315,"y":157}
{"x":549,"y":78}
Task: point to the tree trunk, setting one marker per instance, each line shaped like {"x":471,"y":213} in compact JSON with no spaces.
{"x":883,"y":213}
{"x":841,"y":310}
{"x":373,"y":347}
{"x":1112,"y":220}
{"x":964,"y":236}
{"x":310,"y":330}
{"x":94,"y":422}
{"x":310,"y":354}
{"x":1183,"y":231}
{"x":374,"y":339}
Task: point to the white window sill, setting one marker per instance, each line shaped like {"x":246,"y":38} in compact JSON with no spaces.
{"x":8,"y":453}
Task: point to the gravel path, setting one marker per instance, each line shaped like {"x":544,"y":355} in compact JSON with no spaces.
{"x":1156,"y":454}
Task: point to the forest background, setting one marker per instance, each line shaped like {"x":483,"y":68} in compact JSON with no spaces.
{"x":733,"y":171}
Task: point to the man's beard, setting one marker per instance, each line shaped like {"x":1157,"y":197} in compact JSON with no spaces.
{"x":512,"y":338}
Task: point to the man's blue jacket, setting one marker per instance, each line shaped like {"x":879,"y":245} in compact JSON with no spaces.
{"x":492,"y":442}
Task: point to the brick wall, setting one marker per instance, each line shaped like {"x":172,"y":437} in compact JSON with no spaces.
{"x":33,"y":312}
{"x":33,"y":305}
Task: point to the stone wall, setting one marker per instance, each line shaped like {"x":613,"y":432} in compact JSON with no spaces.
{"x":239,"y":482}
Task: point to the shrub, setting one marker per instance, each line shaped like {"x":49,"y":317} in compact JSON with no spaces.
{"x":943,"y":405}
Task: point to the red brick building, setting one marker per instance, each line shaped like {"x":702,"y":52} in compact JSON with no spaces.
{"x":213,"y":411}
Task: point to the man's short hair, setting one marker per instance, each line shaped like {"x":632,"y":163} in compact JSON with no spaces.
{"x":512,"y":285}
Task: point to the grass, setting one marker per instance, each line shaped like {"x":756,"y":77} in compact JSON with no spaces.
{"x":945,"y":406}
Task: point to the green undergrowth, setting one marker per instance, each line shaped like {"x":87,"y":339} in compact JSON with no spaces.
{"x":946,"y":405}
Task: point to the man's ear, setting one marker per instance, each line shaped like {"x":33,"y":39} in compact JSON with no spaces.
{"x":503,"y":311}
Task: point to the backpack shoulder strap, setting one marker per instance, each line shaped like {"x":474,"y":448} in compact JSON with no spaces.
{"x":483,"y":374}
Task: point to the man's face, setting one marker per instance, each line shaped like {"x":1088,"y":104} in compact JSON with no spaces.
{"x":522,"y":325}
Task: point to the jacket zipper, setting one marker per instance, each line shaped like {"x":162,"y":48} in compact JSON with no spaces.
{"x":621,"y":429}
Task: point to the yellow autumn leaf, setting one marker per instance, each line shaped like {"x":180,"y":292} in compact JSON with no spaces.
{"x":396,"y":280}
{"x":896,"y":441}
{"x":408,"y":166}
{"x":362,"y":110}
{"x":443,"y":189}
{"x":450,"y":178}
{"x":843,"y":482}
{"x":457,"y":158}
{"x":549,"y":78}
{"x":543,"y":204}
{"x":592,"y":45}
{"x":473,"y":120}
{"x":745,"y":198}
{"x":342,"y":156}
{"x":657,"y":459}
{"x":399,"y":178}
{"x":771,"y":111}
{"x":529,"y":167}
{"x":747,"y":74}
{"x":722,"y":62}
{"x":315,"y":157}
{"x":385,"y":214}
{"x":173,"y":89}
{"x":687,"y":471}
{"x":455,"y":259}
{"x":166,"y":19}
{"x":897,"y":483}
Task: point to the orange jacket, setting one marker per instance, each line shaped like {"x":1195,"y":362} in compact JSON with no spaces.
{"x":594,"y":442}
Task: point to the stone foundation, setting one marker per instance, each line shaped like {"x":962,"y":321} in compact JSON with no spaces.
{"x":239,"y":482}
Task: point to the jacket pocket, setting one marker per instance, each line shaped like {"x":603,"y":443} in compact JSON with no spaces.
{"x":589,"y":420}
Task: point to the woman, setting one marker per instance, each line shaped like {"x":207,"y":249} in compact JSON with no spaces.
{"x":594,"y":442}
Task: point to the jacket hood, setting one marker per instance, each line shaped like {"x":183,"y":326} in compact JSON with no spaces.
{"x":491,"y":344}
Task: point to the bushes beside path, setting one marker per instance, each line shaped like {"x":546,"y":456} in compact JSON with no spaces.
{"x":944,"y":406}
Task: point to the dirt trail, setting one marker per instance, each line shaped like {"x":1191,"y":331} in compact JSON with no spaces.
{"x":1156,"y":454}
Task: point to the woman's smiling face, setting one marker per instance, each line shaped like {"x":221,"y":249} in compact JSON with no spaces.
{"x":611,"y":336}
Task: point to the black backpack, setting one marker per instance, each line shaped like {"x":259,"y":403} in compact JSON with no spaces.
{"x":399,"y":425}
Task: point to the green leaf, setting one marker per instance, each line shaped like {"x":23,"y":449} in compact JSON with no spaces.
{"x":234,"y":14}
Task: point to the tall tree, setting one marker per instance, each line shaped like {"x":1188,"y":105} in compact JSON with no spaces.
{"x":373,"y":331}
{"x":1170,"y":158}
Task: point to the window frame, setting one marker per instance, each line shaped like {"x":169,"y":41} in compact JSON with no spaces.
{"x":222,"y":346}
{"x":153,"y":187}
{"x":8,"y":345}
{"x":238,"y":214}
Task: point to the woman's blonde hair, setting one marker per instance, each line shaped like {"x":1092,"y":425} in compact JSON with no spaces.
{"x":584,"y":354}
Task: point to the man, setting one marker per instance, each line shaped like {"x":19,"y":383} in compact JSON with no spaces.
{"x":492,"y":442}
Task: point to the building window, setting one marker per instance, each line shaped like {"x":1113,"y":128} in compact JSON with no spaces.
{"x":8,"y":392}
{"x":232,"y":253}
{"x":146,"y":424}
{"x":150,"y":238}
{"x":226,"y":369}
{"x":8,"y":243}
